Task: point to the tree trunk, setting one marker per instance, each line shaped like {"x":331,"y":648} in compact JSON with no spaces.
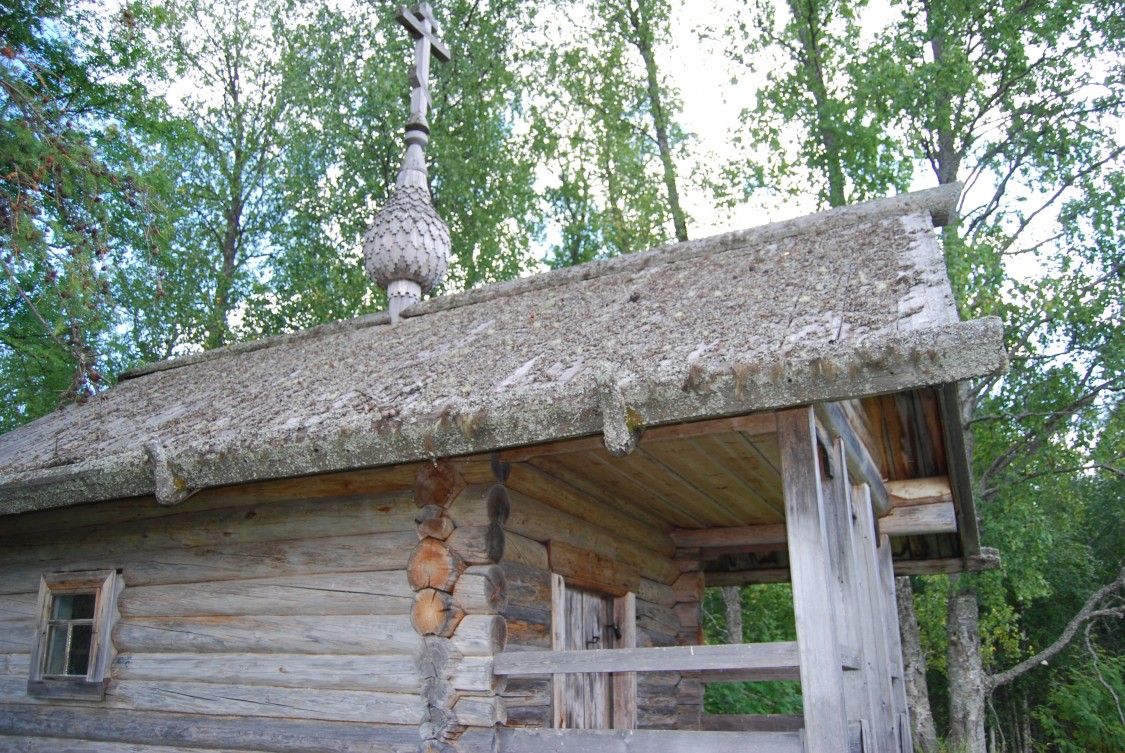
{"x":732,"y":603}
{"x":966,"y":672}
{"x":914,"y":666}
{"x":643,"y":41}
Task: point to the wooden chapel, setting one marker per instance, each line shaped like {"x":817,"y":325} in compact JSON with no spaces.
{"x":485,"y":521}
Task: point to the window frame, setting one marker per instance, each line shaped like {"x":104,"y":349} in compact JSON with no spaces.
{"x":105,"y":585}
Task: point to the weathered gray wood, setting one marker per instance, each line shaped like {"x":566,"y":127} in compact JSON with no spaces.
{"x":246,"y":700}
{"x":524,"y":551}
{"x":18,"y":606}
{"x":682,"y":658}
{"x":660,"y":594}
{"x":215,"y":732}
{"x":919,"y":520}
{"x":541,"y":522}
{"x":366,"y":552}
{"x":480,"y":635}
{"x":753,"y":722}
{"x":15,"y":664}
{"x":527,"y":586}
{"x":646,"y":741}
{"x":876,"y":650}
{"x":473,"y":674}
{"x":16,"y":636}
{"x":478,"y":544}
{"x":239,"y":525}
{"x":482,"y":589}
{"x":375,"y":672}
{"x":625,"y":683}
{"x":58,"y":745}
{"x":818,"y":638}
{"x":768,"y":535}
{"x":384,"y":593}
{"x":484,"y":711}
{"x":919,"y":491}
{"x":329,"y":634}
{"x":586,"y":568}
{"x":861,"y":467}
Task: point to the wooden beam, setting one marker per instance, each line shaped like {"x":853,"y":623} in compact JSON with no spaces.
{"x":752,"y":424}
{"x":919,"y":520}
{"x":519,"y":740}
{"x":988,"y":559}
{"x":736,"y":536}
{"x":757,"y":576}
{"x":861,"y":468}
{"x":752,"y":722}
{"x":818,"y":634}
{"x":919,"y":491}
{"x":781,"y":655}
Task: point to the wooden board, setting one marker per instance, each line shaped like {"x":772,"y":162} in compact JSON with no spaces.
{"x":646,"y":741}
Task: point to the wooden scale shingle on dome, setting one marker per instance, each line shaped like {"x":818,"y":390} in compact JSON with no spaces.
{"x":442,"y":534}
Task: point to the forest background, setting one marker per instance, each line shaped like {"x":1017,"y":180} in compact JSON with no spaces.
{"x":183,"y":174}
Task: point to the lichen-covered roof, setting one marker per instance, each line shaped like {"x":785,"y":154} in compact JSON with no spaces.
{"x":841,"y":304}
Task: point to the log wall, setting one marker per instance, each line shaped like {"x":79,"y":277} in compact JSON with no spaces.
{"x":267,"y":617}
{"x":552,"y":527}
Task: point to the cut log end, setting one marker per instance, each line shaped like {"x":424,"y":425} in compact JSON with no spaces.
{"x":435,"y":613}
{"x":437,"y":483}
{"x":433,"y":565}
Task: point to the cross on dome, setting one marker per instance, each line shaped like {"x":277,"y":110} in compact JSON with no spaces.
{"x":406,"y":248}
{"x":422,"y":25}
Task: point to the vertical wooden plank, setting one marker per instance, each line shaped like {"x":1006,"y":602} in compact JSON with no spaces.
{"x":558,"y":643}
{"x":818,"y":637}
{"x":894,"y":640}
{"x":883,"y":727}
{"x":625,"y":683}
{"x":859,"y":688}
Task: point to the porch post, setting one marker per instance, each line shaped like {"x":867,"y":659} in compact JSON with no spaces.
{"x":814,"y":584}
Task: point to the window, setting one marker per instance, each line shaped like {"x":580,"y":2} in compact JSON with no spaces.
{"x":71,"y":650}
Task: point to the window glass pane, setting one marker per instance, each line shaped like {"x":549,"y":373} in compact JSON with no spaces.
{"x":73,"y":607}
{"x":80,"y":638}
{"x":56,"y":650}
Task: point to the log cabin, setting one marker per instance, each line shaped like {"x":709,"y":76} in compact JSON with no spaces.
{"x":485,"y":521}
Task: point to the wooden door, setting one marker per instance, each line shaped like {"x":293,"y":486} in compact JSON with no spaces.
{"x":584,"y":620}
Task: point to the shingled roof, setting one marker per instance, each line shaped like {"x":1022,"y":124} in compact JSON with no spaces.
{"x":846,"y":303}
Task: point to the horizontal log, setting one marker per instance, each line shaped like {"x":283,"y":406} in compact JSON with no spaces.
{"x":275,"y":521}
{"x":920,"y":520}
{"x":524,"y":551}
{"x":527,"y":586}
{"x":119,"y":512}
{"x":772,"y":534}
{"x":219,"y":732}
{"x":480,"y":635}
{"x":246,"y":700}
{"x":372,"y":672}
{"x":432,"y":522}
{"x":59,"y":745}
{"x":15,"y":664}
{"x":382,"y":593}
{"x":646,"y":741}
{"x":919,"y":491}
{"x":753,"y":722}
{"x":588,"y":569}
{"x":542,"y":485}
{"x":435,"y":613}
{"x":673,"y":658}
{"x":15,"y":636}
{"x":437,"y":483}
{"x":689,"y":587}
{"x":478,"y":544}
{"x":287,"y":634}
{"x":473,"y":674}
{"x":541,"y":522}
{"x":433,"y":564}
{"x":486,"y":711}
{"x":861,"y":467}
{"x":660,"y":594}
{"x":481,"y":589}
{"x":988,"y":559}
{"x":365,"y":552}
{"x":19,"y":606}
{"x":656,"y":618}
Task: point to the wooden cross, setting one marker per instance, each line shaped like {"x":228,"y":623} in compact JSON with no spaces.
{"x":420,"y":22}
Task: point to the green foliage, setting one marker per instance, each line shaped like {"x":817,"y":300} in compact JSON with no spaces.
{"x":71,"y":200}
{"x":1083,"y":710}
{"x":767,"y":617}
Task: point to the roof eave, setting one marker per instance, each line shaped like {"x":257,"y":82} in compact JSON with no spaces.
{"x":614,"y":406}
